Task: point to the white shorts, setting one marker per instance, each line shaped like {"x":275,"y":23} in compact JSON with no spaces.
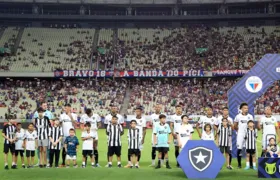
{"x":240,"y":141}
{"x":265,"y":140}
{"x":71,"y":157}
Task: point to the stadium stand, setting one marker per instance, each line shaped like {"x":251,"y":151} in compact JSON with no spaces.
{"x":106,"y":51}
{"x":8,"y":37}
{"x":192,"y":47}
{"x":194,"y":95}
{"x":20,"y":96}
{"x":47,"y":49}
{"x":226,"y":48}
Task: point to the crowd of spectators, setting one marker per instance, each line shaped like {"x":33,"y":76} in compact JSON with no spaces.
{"x":224,"y":48}
{"x":22,"y":97}
{"x":194,"y":95}
{"x":190,"y":47}
{"x":55,"y":49}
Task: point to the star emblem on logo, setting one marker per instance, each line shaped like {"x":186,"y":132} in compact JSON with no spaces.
{"x":200,"y":158}
{"x":197,"y":159}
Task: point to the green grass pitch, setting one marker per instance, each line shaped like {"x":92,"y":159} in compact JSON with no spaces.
{"x":145,"y":172}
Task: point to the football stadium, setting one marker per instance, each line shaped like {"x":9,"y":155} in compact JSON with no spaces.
{"x":139,"y":89}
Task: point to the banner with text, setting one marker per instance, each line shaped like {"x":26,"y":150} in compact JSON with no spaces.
{"x":83,"y":73}
{"x":143,"y":73}
{"x":229,"y":72}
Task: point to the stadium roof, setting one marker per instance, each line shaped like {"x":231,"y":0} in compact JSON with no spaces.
{"x":138,"y":1}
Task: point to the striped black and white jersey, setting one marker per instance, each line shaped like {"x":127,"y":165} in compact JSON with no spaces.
{"x":55,"y":133}
{"x":250,"y":138}
{"x":42,"y":127}
{"x":10,"y":132}
{"x":114,"y":133}
{"x":224,"y":135}
{"x":134,"y":138}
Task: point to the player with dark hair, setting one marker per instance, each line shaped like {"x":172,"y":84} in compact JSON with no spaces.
{"x":88,"y":137}
{"x":208,"y":133}
{"x":175,"y":123}
{"x":114,"y":112}
{"x":225,"y":114}
{"x":48,"y":114}
{"x":250,"y":137}
{"x":95,"y":121}
{"x":141,"y":125}
{"x":224,"y":133}
{"x":114,"y":132}
{"x":55,"y":137}
{"x":185,"y":131}
{"x":42,"y":124}
{"x":269,"y":124}
{"x":154,"y":122}
{"x":108,"y":120}
{"x":134,"y":138}
{"x":8,"y":133}
{"x":68,"y":120}
{"x":162,"y":138}
{"x":71,"y":146}
{"x":240,"y":125}
{"x":208,"y":119}
{"x":19,"y":144}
